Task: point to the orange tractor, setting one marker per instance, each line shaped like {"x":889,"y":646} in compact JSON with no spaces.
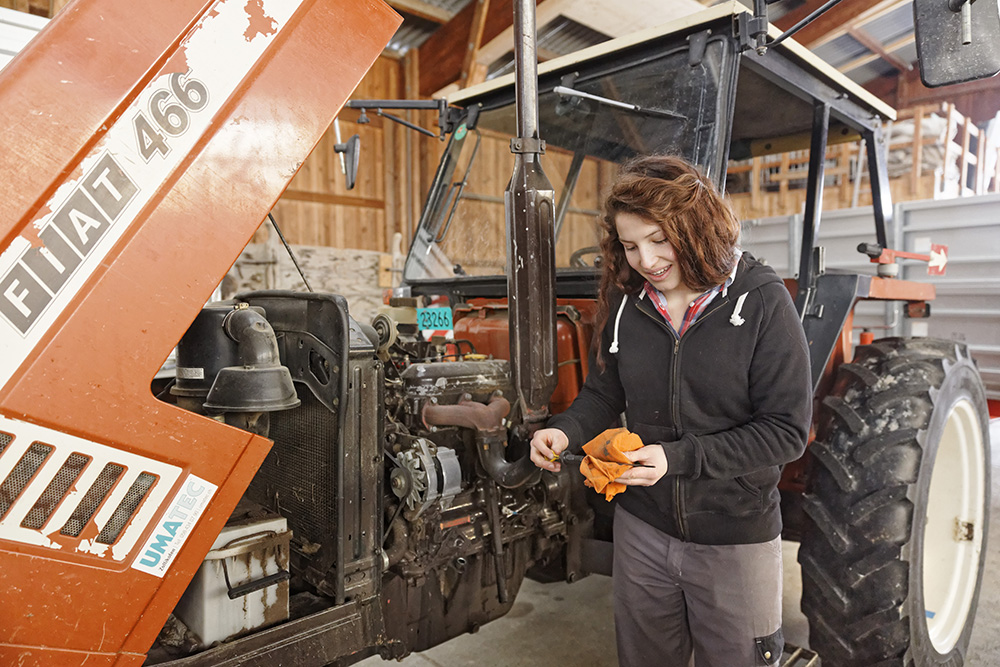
{"x":306,"y":489}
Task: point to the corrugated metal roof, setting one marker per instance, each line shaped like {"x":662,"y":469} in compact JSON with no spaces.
{"x":564,"y":35}
{"x":413,"y":32}
{"x":451,"y":6}
{"x":560,"y":36}
{"x":893,"y":26}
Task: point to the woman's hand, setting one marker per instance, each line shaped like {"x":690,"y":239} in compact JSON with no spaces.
{"x":655,"y":461}
{"x":547,"y":444}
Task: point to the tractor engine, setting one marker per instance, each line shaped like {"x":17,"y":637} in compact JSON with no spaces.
{"x":467,"y":514}
{"x":394,"y":463}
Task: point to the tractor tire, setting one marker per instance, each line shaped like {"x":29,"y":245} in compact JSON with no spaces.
{"x":898,"y":504}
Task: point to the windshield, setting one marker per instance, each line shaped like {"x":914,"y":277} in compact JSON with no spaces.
{"x":591,"y":123}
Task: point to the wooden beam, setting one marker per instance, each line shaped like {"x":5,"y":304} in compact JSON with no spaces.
{"x":421,"y":9}
{"x":475,"y":40}
{"x":869,"y":57}
{"x":441,"y":62}
{"x":877,"y":47}
{"x":836,"y":21}
{"x":329,"y":198}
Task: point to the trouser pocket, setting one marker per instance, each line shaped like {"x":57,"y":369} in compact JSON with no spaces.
{"x":769,"y":648}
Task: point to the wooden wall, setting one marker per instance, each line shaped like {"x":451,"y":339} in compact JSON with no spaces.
{"x":318,"y":209}
{"x":46,"y":8}
{"x":479,"y":243}
{"x":775,"y":185}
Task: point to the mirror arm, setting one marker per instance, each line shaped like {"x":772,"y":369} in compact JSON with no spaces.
{"x":405,"y":123}
{"x":803,"y":23}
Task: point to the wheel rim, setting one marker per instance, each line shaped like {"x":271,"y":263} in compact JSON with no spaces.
{"x":953,"y":535}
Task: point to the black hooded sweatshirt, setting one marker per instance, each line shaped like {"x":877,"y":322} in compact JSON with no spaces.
{"x":730,"y":402}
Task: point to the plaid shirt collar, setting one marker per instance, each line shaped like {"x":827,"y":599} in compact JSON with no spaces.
{"x":696,"y":307}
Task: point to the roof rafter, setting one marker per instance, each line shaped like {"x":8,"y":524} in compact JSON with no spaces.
{"x":440,"y":62}
{"x":835,"y":21}
{"x":879,"y":49}
{"x":421,"y":9}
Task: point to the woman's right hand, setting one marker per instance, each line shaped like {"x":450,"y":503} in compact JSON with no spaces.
{"x":546,"y":445}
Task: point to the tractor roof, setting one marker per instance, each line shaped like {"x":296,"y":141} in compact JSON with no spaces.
{"x":773,"y":109}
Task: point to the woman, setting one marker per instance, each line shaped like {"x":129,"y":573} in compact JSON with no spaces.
{"x":700,"y":346}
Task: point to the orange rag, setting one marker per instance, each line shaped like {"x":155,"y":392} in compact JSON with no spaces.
{"x":606,"y":460}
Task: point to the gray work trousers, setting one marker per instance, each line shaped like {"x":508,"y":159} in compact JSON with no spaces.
{"x":676,"y":601}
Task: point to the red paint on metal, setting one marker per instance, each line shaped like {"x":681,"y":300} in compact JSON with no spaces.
{"x":938,"y":261}
{"x":89,"y":375}
{"x":484,"y":322}
{"x":260,"y":23}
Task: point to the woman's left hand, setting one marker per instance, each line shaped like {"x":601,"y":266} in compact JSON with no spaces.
{"x":654,"y":466}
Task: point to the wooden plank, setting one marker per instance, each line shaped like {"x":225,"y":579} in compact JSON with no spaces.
{"x":414,"y":175}
{"x":880,"y":49}
{"x":420,"y":9}
{"x":918,"y":149}
{"x":835,"y":21}
{"x":892,"y":47}
{"x":755,"y":173}
{"x":981,"y":163}
{"x":783,"y":184}
{"x":440,"y":46}
{"x":996,"y":173}
{"x":963,"y":160}
{"x":327,"y":198}
{"x":844,"y":186}
{"x":474,"y":41}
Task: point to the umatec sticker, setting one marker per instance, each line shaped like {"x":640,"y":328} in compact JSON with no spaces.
{"x":174,"y":527}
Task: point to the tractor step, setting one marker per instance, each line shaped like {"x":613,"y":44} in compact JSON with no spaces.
{"x":795,"y":656}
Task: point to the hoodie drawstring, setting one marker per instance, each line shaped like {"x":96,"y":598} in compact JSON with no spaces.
{"x":614,"y":343}
{"x":735,"y":318}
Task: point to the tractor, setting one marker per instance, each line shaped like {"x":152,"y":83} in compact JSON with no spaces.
{"x":307,"y":489}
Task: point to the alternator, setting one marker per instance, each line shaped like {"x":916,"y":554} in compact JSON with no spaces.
{"x":434,"y":475}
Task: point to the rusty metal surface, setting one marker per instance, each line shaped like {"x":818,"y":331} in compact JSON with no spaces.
{"x":141,"y":161}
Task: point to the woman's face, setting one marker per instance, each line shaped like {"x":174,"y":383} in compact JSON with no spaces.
{"x":648,"y":252}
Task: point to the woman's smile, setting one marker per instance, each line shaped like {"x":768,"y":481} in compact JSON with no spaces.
{"x":646,"y":245}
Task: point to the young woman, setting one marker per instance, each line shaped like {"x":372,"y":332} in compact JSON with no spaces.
{"x":700,"y":347}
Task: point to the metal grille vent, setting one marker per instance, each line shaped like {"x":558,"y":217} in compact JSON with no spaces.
{"x":5,"y":439}
{"x":92,"y":500}
{"x":55,"y":491}
{"x":297,"y":479}
{"x":129,"y":504}
{"x":22,"y":473}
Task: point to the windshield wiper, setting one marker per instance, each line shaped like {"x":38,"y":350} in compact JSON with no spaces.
{"x":657,"y":113}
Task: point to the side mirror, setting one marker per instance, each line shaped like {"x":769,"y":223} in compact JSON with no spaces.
{"x":352,"y":153}
{"x":957,"y":40}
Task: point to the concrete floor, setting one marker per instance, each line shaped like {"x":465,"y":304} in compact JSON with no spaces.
{"x":571,"y":624}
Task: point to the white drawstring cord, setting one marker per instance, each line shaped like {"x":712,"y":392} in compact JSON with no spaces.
{"x":735,"y":318}
{"x":614,"y":344}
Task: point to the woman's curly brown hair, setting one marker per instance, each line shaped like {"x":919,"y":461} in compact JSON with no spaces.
{"x":698,"y":223}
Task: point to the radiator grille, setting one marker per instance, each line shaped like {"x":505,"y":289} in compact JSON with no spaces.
{"x":297,"y":477}
{"x":22,"y":473}
{"x":55,"y":491}
{"x":5,"y":439}
{"x":126,"y":508}
{"x":92,"y":500}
